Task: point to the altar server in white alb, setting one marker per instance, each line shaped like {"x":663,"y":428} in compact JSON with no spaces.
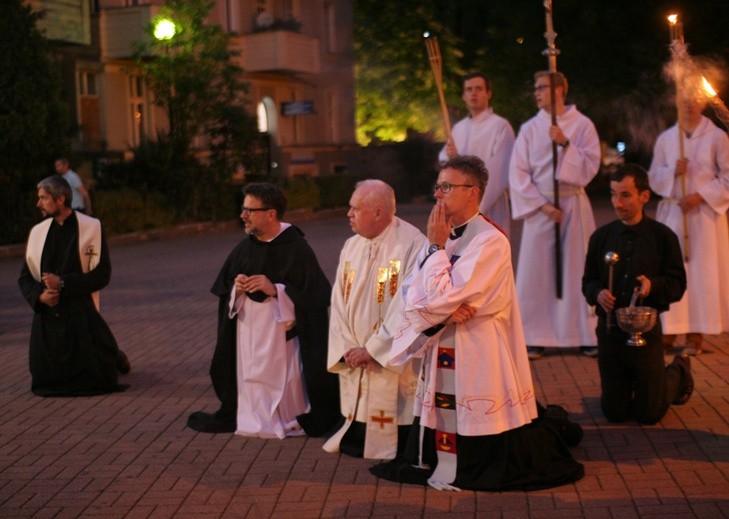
{"x":367,"y":302}
{"x":478,"y":425}
{"x":703,"y":205}
{"x":490,"y":138}
{"x":550,"y":321}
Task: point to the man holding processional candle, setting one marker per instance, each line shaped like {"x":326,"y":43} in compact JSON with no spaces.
{"x":367,"y":304}
{"x":690,"y":170}
{"x":489,"y":137}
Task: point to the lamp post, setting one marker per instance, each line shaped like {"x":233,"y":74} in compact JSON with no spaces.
{"x":164,"y":31}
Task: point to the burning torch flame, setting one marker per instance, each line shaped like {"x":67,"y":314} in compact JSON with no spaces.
{"x":672,"y":19}
{"x":708,"y":88}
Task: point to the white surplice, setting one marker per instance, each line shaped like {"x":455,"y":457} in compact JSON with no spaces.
{"x":704,"y":307}
{"x":380,"y":397}
{"x":271,"y":390}
{"x":548,"y":321}
{"x":491,"y":138}
{"x":493,"y":383}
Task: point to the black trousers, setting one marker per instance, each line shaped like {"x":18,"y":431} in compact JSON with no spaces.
{"x":635,"y":382}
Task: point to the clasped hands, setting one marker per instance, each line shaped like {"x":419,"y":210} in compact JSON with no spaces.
{"x":254,"y":283}
{"x":52,"y":290}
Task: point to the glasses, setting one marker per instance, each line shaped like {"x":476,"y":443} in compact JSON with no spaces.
{"x":248,"y":210}
{"x":445,"y":187}
{"x":539,"y":88}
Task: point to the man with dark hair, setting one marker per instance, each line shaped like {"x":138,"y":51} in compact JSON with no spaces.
{"x":80,"y":199}
{"x":635,"y":384}
{"x":477,"y":425}
{"x":489,"y":137}
{"x":269,"y":364}
{"x":72,"y":349}
{"x":552,"y":321}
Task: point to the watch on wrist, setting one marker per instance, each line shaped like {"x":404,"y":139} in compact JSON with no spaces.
{"x":435,"y":247}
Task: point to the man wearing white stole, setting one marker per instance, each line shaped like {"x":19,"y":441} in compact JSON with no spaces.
{"x":479,"y":425}
{"x":367,"y":303}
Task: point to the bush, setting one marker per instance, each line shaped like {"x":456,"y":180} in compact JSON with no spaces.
{"x":335,"y":191}
{"x":125,"y":210}
{"x":302,"y":193}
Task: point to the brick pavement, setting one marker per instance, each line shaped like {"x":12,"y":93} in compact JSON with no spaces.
{"x":130,"y":455}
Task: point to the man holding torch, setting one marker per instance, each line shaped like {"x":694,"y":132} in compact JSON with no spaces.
{"x":489,"y":137}
{"x":550,"y":320}
{"x":703,"y":168}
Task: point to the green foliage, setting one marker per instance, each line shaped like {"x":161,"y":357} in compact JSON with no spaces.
{"x":335,"y":190}
{"x":33,"y":120}
{"x":126,"y":210}
{"x":302,"y":193}
{"x":396,"y":91}
{"x":194,"y":76}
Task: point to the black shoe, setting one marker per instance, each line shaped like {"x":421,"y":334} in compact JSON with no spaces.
{"x":686,"y":388}
{"x":210,"y":423}
{"x":534,"y":352}
{"x":122,"y":362}
{"x":570,"y":431}
{"x":589,"y":351}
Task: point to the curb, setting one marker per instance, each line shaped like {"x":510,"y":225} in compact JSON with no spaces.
{"x":17,"y":250}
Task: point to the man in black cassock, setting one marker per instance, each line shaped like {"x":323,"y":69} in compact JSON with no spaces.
{"x":273,"y":265}
{"x":72,"y":349}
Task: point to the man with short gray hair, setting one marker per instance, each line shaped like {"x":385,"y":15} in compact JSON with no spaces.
{"x":376,"y":400}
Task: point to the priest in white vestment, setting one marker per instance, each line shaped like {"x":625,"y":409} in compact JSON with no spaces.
{"x":367,"y":303}
{"x":698,"y":213}
{"x":478,"y":424}
{"x":489,"y":137}
{"x":550,"y":321}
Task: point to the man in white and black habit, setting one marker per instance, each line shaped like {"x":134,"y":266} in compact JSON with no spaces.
{"x":72,"y":349}
{"x":269,"y":365}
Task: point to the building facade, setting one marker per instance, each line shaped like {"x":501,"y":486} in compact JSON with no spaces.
{"x":297,"y":56}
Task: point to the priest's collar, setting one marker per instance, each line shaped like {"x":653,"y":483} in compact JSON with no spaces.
{"x":457,"y":232}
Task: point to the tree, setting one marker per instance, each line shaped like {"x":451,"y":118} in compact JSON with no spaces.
{"x":396,"y":91}
{"x":33,"y":119}
{"x":612,"y":52}
{"x":194,"y":76}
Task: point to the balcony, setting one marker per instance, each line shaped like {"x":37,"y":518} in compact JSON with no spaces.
{"x":277,"y":51}
{"x":121,"y":27}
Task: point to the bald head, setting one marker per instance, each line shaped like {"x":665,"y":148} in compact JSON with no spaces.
{"x":371,"y":208}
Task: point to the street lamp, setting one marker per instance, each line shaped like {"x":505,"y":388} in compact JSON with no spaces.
{"x":164,"y":29}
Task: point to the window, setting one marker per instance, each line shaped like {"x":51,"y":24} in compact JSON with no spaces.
{"x":137,"y":112}
{"x":87,"y":86}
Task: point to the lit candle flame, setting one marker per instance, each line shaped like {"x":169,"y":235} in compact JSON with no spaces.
{"x":708,"y":88}
{"x":672,"y":19}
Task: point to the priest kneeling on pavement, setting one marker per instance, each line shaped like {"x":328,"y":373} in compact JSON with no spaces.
{"x":72,"y":349}
{"x":634,"y":381}
{"x":367,"y":304}
{"x":478,"y":423}
{"x":269,"y":364}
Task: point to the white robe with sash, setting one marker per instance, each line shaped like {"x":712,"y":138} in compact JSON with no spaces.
{"x":548,"y":321}
{"x":704,"y":307}
{"x":380,"y":397}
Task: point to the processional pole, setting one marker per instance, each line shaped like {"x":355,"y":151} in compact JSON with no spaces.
{"x":678,"y":55}
{"x":436,"y":65}
{"x":551,"y":52}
